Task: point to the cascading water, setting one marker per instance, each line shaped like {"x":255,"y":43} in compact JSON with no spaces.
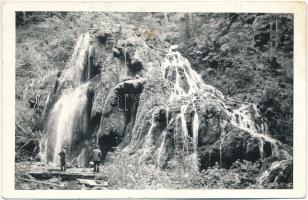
{"x":241,"y":118}
{"x":187,"y":85}
{"x":67,"y":119}
{"x":43,"y":150}
{"x":148,"y":141}
{"x":161,"y":149}
{"x":195,"y":136}
{"x":185,"y":137}
{"x":186,"y":82}
{"x":74,"y":71}
{"x":68,"y":113}
{"x":222,"y":138}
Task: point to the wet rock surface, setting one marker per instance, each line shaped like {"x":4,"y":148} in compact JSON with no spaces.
{"x":165,"y":113}
{"x":279,"y":173}
{"x":151,"y":113}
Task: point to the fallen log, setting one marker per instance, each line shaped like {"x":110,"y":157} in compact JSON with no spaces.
{"x":23,"y":146}
{"x":63,"y":175}
{"x":21,"y":128}
{"x":51,"y":184}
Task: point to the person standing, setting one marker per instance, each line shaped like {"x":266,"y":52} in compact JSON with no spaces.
{"x":62,"y":155}
{"x":96,"y":157}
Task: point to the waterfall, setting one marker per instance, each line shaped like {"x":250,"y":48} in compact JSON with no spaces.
{"x":195,"y":127}
{"x":161,"y":149}
{"x":74,"y":73}
{"x":148,"y":140}
{"x":242,"y":119}
{"x":187,"y":81}
{"x":81,"y":158}
{"x":43,"y":150}
{"x":222,"y":139}
{"x":64,"y":119}
{"x":67,"y":120}
{"x":183,"y":126}
{"x":187,"y":85}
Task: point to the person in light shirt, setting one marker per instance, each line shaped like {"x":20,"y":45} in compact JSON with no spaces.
{"x":96,"y":157}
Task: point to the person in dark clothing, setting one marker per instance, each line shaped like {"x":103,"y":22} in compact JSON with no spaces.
{"x":62,"y":155}
{"x":97,"y":158}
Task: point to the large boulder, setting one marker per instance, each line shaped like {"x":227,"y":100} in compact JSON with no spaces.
{"x":280,"y":172}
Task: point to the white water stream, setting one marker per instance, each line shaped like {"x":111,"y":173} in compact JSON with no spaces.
{"x":187,"y":85}
{"x":66,"y":116}
{"x":74,"y":69}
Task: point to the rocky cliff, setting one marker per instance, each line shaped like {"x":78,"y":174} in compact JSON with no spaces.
{"x":142,"y":99}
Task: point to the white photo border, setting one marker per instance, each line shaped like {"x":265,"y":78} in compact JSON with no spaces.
{"x":8,"y":94}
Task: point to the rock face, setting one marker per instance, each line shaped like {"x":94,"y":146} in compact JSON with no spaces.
{"x":280,"y":172}
{"x":154,"y":105}
{"x":113,"y":69}
{"x":119,"y":113}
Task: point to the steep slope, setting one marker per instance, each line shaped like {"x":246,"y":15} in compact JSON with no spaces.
{"x":160,"y":112}
{"x":145,"y":106}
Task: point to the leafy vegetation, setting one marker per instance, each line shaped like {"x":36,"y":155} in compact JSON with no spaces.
{"x":249,"y":57}
{"x":44,"y":44}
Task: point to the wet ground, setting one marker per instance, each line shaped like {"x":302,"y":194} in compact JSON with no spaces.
{"x":123,"y":173}
{"x":46,"y":178}
{"x":115,"y":176}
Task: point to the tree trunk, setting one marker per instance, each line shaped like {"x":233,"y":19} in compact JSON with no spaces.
{"x":277,"y":37}
{"x":187,"y":26}
{"x":24,"y":17}
{"x":166,"y":19}
{"x":270,"y":39}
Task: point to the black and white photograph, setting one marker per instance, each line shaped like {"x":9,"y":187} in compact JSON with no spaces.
{"x":112,"y":100}
{"x":108,"y":100}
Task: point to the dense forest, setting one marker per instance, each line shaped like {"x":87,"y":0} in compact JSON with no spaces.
{"x":248,"y":57}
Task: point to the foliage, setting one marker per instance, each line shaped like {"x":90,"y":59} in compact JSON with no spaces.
{"x":277,"y":107}
{"x":125,"y":171}
{"x":247,"y":56}
{"x":44,"y":43}
{"x":244,"y":55}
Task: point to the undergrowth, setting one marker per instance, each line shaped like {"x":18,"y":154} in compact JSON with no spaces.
{"x":125,"y":171}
